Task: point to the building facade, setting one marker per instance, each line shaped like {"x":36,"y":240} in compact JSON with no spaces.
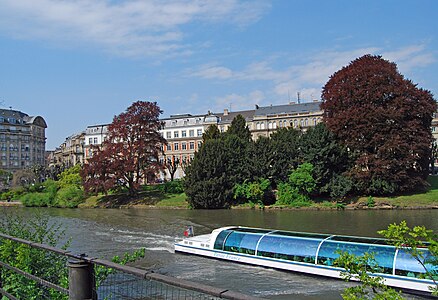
{"x":184,"y":132}
{"x":94,"y":136}
{"x":22,"y":140}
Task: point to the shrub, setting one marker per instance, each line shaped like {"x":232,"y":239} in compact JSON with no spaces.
{"x":254,"y":192}
{"x":172,"y":187}
{"x":288,"y":195}
{"x":37,"y":199}
{"x":340,"y":186}
{"x":69,"y":196}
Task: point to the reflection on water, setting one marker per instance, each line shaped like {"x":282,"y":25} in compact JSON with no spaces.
{"x":108,"y":232}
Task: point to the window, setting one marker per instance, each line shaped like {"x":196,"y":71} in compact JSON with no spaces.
{"x":90,"y":141}
{"x":258,"y":125}
{"x":192,"y":145}
{"x":199,"y":144}
{"x":183,"y":133}
{"x":191,"y":133}
{"x":199,"y":132}
{"x":270,"y":125}
{"x":95,"y":140}
{"x":168,"y":135}
{"x":175,"y":134}
{"x":184,"y":146}
{"x":175,"y":146}
{"x":169,"y":147}
{"x":262,"y":126}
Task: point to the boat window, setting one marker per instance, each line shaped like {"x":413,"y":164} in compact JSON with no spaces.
{"x":363,"y":240}
{"x":288,"y":248}
{"x":219,"y":243}
{"x":406,"y":265}
{"x":242,"y":242}
{"x":383,"y":255}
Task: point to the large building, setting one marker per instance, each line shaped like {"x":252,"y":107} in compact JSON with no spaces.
{"x":22,"y":140}
{"x":184,"y":132}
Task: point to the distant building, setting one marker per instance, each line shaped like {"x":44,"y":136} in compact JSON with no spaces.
{"x":184,"y":132}
{"x":94,"y":136}
{"x":70,"y":152}
{"x":22,"y":140}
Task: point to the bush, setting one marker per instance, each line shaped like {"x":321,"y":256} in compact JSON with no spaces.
{"x":254,"y":192}
{"x":37,"y":199}
{"x":288,"y":195}
{"x":69,"y":196}
{"x":172,"y":187}
{"x":340,"y":186}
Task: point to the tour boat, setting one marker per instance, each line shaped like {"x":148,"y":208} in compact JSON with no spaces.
{"x":310,"y":253}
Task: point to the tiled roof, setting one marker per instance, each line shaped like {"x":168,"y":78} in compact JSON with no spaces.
{"x":287,"y":109}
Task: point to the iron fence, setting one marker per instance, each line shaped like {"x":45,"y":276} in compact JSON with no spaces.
{"x":51,"y":273}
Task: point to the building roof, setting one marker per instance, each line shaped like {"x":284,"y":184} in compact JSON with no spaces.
{"x":287,"y":108}
{"x":227,"y":117}
{"x":22,"y":118}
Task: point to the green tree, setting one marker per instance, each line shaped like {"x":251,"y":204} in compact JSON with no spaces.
{"x":329,"y":159}
{"x":71,"y":176}
{"x":217,"y":167}
{"x":295,"y":192}
{"x":238,"y":127}
{"x":212,"y":132}
{"x":384,"y":120}
{"x":256,"y":192}
{"x":285,"y":154}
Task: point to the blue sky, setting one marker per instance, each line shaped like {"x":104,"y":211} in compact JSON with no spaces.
{"x":79,"y":63}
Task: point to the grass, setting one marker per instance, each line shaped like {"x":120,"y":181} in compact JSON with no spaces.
{"x":429,"y":198}
{"x":174,"y":200}
{"x":148,"y":197}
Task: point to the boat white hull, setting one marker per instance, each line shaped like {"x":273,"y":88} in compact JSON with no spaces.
{"x":307,"y":268}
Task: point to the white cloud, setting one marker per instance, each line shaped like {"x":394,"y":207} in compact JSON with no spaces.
{"x":308,"y":78}
{"x":238,"y":102}
{"x":130,"y":27}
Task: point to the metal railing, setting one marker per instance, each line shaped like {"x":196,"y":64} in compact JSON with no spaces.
{"x":93,"y":278}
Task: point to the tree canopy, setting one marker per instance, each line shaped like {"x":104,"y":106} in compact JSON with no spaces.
{"x":384,"y":120}
{"x":238,"y":127}
{"x":130,"y":152}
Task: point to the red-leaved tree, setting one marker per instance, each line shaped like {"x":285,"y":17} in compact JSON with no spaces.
{"x":130,"y":151}
{"x":384,"y":120}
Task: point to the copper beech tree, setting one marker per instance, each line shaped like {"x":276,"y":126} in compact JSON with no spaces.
{"x":384,"y":121}
{"x":129,"y":154}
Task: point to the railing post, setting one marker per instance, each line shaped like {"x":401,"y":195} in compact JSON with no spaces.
{"x":81,"y":280}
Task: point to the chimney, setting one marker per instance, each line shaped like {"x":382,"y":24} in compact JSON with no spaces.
{"x":257,"y":106}
{"x":226,"y":112}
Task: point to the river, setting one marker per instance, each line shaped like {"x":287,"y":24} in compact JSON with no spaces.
{"x":108,"y":232}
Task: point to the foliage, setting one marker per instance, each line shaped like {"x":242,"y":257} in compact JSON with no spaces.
{"x":296,"y":191}
{"x":414,"y":240}
{"x":172,"y":187}
{"x":340,"y":186}
{"x":130,"y":152}
{"x":371,"y":287}
{"x":287,"y":195}
{"x":5,"y":178}
{"x":45,"y":264}
{"x":13,"y":194}
{"x":238,"y":127}
{"x":69,"y":196}
{"x":384,"y":120}
{"x":371,"y":202}
{"x":302,"y":180}
{"x":284,"y":154}
{"x":212,"y":132}
{"x":70,"y":176}
{"x":257,"y":192}
{"x":215,"y":169}
{"x":329,"y":159}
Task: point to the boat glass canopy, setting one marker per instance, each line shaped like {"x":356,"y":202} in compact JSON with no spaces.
{"x":321,"y":249}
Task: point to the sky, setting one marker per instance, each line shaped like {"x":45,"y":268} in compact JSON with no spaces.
{"x":81,"y":62}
